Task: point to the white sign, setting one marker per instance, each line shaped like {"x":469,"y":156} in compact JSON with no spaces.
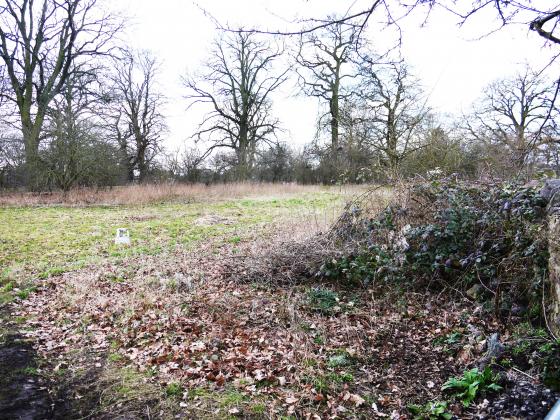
{"x":123,"y":237}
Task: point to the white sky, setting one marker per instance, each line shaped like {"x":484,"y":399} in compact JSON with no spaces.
{"x":451,"y":63}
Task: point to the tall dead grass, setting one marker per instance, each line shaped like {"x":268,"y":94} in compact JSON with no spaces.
{"x":300,"y":245}
{"x":166,"y":192}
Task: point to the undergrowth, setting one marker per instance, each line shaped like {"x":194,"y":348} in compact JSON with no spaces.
{"x":451,"y":235}
{"x":473,"y":382}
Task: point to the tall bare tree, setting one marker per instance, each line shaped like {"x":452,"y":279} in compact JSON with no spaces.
{"x":237,"y":86}
{"x":136,"y":111}
{"x":42,"y":42}
{"x":393,"y":108}
{"x":515,"y":113}
{"x":323,"y":58}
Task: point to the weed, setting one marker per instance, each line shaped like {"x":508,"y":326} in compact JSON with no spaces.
{"x":332,"y":381}
{"x":506,"y":363}
{"x":174,"y":390}
{"x":432,"y":410}
{"x":24,"y":294}
{"x":52,"y":272}
{"x":338,"y":360}
{"x":323,"y":300}
{"x":340,"y":378}
{"x":473,"y":382}
{"x":258,"y":408}
{"x":172,"y":284}
{"x":309,"y":362}
{"x":450,"y":342}
{"x":319,"y":340}
{"x":115,"y":357}
{"x":232,"y":398}
{"x":199,"y":392}
{"x":521,"y":347}
{"x":30,"y":371}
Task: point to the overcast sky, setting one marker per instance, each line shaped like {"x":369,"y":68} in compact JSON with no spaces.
{"x":452,"y":64}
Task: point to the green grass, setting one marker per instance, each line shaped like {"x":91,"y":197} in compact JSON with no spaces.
{"x":174,"y":390}
{"x":47,"y":241}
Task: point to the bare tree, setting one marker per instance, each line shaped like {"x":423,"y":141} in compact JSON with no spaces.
{"x":323,"y":58}
{"x":541,"y":17}
{"x":237,"y":86}
{"x":136,"y":105}
{"x":186,"y":164}
{"x":515,"y":113}
{"x":41,"y":44}
{"x":393,"y":108}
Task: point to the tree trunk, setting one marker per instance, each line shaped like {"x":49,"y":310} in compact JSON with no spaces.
{"x":391,"y":140}
{"x":31,"y":134}
{"x":242,"y":154}
{"x":142,"y":166}
{"x":335,"y":116}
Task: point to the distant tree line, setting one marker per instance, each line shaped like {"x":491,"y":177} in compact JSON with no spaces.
{"x":76,"y":109}
{"x":376,"y":123}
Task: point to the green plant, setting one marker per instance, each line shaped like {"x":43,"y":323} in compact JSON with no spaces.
{"x":173,"y":389}
{"x":361,"y":269}
{"x":338,"y":360}
{"x":452,"y":233}
{"x":322,"y":300}
{"x":339,"y":378}
{"x":431,"y":410}
{"x":24,"y":294}
{"x":30,"y":370}
{"x":52,"y":272}
{"x":521,"y":347}
{"x":258,"y":408}
{"x":115,"y":357}
{"x":8,"y":287}
{"x":473,"y":382}
{"x":330,"y":382}
{"x":450,"y":342}
{"x":319,"y":339}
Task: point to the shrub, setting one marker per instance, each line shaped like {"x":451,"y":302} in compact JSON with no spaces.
{"x":361,"y":269}
{"x":450,"y":234}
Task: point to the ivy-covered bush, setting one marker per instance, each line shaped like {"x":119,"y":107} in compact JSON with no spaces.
{"x":455,"y":235}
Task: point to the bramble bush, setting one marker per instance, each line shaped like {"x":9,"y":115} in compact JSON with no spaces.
{"x":454,"y":235}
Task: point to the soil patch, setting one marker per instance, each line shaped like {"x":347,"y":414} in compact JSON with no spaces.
{"x":23,"y":394}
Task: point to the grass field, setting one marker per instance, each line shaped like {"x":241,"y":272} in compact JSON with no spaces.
{"x":39,"y":240}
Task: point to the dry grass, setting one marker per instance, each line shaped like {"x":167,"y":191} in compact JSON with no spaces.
{"x":301,"y":245}
{"x":166,"y":192}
